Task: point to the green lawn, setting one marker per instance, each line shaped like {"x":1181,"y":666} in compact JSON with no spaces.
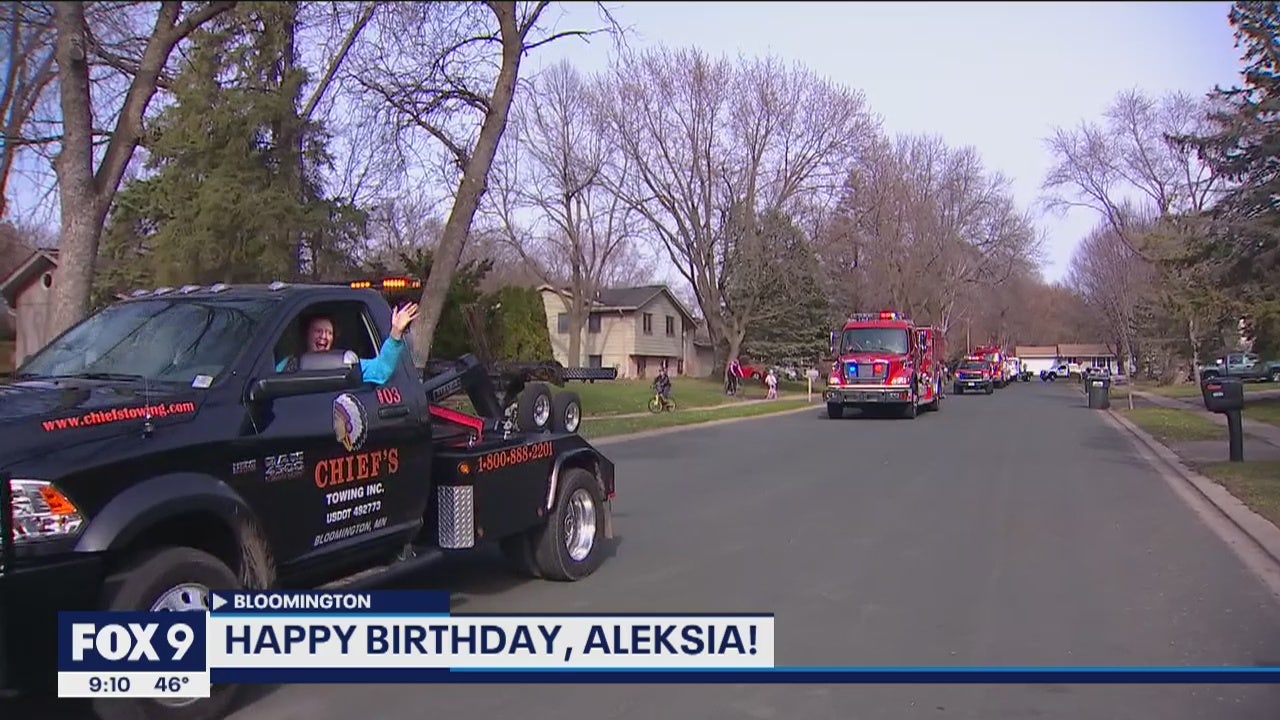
{"x":1265,"y":410}
{"x":604,"y":426}
{"x":1255,"y":483}
{"x":1174,"y":426}
{"x":1191,"y":390}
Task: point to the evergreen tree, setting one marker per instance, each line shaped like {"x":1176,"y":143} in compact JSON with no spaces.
{"x":800,"y":332}
{"x":1241,"y":235}
{"x":234,"y":191}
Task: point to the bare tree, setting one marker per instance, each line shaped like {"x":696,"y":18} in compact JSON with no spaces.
{"x":707,"y":137}
{"x":924,"y":228}
{"x":554,"y":172}
{"x":1131,"y":170}
{"x":1114,"y":279}
{"x":449,"y":72}
{"x":86,"y":192}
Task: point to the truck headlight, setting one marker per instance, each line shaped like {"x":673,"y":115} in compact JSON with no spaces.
{"x":41,"y":512}
{"x":899,"y":380}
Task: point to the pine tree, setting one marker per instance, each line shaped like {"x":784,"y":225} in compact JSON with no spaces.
{"x":234,"y":190}
{"x":800,"y":333}
{"x":1241,"y":236}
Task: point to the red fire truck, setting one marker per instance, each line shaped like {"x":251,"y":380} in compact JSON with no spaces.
{"x":880,"y":362}
{"x":994,"y":355}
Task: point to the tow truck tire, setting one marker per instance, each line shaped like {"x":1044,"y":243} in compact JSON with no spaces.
{"x":578,"y":520}
{"x":534,"y":408}
{"x":137,"y":588}
{"x":566,"y":412}
{"x":1275,"y":376}
{"x":835,"y":411}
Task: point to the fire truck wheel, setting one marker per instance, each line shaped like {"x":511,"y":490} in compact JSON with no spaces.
{"x":835,"y":411}
{"x":568,"y":547}
{"x":534,"y":408}
{"x":989,"y":389}
{"x":566,"y":412}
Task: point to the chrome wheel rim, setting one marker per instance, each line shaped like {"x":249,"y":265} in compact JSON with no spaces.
{"x":541,"y":410}
{"x":187,"y":597}
{"x":572,"y":417}
{"x":580,"y":525}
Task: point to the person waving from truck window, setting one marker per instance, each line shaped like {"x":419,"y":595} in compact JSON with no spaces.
{"x":320,"y":336}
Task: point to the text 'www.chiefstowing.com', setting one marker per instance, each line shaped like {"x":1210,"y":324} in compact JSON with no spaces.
{"x":103,"y":417}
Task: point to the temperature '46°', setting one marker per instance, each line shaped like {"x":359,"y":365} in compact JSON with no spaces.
{"x":171,"y":684}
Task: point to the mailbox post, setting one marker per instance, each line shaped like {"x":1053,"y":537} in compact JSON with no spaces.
{"x":1225,"y":396}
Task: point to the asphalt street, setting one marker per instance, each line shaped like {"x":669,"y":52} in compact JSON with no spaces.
{"x":1012,"y":529}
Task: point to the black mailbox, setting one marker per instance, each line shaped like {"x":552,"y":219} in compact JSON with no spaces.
{"x":1223,"y":394}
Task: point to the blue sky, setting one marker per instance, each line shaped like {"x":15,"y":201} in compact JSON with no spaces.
{"x":998,"y":76}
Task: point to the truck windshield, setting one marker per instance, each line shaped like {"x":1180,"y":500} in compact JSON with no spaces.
{"x":892,"y":341}
{"x":161,"y":340}
{"x":973,"y":365}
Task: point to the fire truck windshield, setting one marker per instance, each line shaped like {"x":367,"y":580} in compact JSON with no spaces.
{"x":891,"y":341}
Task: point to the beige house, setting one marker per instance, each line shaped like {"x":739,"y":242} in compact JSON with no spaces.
{"x":28,"y":291}
{"x":1047,"y":357}
{"x":635,"y":330}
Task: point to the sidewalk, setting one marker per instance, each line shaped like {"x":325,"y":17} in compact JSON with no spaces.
{"x":1269,"y":434}
{"x":721,"y":406}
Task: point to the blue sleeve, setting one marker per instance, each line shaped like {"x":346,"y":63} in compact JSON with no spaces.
{"x":382,"y":368}
{"x":281,"y":365}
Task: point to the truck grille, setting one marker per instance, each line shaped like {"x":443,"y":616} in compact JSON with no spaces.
{"x":455,"y":516}
{"x":863,"y":372}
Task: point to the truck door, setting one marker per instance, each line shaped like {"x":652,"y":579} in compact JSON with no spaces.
{"x":341,"y":471}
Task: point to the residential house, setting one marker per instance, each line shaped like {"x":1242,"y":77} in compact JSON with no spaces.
{"x":28,"y":290}
{"x":1046,"y":357}
{"x":635,"y":330}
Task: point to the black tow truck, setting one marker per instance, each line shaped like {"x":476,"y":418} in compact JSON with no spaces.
{"x":154,"y":452}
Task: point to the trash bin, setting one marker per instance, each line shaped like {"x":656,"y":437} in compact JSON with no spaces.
{"x":1098,"y":388}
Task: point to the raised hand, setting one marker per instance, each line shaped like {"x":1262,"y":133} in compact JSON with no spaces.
{"x":401,"y":318}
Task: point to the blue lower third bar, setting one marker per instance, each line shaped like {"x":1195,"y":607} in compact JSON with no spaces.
{"x":775,"y":676}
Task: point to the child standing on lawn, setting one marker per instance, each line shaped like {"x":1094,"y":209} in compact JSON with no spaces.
{"x":772,"y":381}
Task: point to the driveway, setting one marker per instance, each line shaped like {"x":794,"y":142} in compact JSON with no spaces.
{"x":1011,"y":529}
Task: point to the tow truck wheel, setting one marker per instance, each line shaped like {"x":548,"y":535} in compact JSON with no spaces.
{"x":1275,"y":376}
{"x":533,"y":408}
{"x":566,"y":412}
{"x":176,"y":579}
{"x":568,"y":546}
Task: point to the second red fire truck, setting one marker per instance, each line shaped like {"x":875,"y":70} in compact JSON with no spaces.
{"x":884,"y":360}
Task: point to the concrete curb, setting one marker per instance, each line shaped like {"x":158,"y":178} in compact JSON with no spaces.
{"x":614,"y":439}
{"x":1257,"y":528}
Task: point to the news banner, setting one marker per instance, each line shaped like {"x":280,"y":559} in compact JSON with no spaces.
{"x":412,"y":637}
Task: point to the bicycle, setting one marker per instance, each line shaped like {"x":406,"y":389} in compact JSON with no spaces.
{"x":658,"y":403}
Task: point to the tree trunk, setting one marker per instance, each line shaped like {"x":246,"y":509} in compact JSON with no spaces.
{"x":474,"y":182}
{"x":82,"y":211}
{"x":1194,"y":337}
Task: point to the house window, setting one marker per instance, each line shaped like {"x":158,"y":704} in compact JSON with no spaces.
{"x":671,"y":326}
{"x":595,"y":362}
{"x":563,"y":321}
{"x":593,"y":324}
{"x":648,"y":323}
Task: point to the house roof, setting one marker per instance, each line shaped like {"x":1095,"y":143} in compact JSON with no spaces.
{"x":1064,"y":351}
{"x":1098,"y":351}
{"x":629,"y":299}
{"x":1036,"y":351}
{"x":36,"y":264}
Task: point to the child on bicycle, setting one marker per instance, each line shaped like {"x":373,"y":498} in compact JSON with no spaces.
{"x":662,"y":384}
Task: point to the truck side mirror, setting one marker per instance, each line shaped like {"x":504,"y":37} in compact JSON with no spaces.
{"x":306,"y":382}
